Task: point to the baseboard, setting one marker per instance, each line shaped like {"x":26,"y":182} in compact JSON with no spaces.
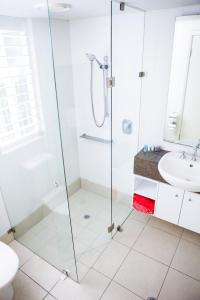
{"x":50,"y":203}
{"x":7,"y":238}
{"x":96,"y":188}
{"x":30,"y":221}
{"x":74,"y":187}
{"x":105,"y":191}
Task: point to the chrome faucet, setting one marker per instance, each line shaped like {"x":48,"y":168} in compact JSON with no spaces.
{"x":196,"y":148}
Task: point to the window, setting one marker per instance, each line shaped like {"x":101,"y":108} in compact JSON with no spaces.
{"x":19,"y":106}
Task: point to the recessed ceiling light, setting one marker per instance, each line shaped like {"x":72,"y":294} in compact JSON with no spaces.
{"x":60,"y":7}
{"x":54,"y":7}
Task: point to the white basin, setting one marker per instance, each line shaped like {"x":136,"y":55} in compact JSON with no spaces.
{"x":182,"y":173}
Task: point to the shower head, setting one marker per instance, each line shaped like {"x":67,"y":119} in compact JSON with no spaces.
{"x":92,"y":57}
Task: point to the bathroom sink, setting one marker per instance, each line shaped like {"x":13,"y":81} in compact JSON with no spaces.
{"x":182,"y":173}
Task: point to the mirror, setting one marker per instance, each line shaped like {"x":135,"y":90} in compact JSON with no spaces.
{"x":183,"y":112}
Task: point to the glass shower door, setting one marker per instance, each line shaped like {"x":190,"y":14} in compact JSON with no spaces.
{"x":127,"y":52}
{"x":81,"y":48}
{"x":32,"y":174}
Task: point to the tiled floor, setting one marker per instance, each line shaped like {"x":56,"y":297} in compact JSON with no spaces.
{"x":149,"y":258}
{"x":51,"y":238}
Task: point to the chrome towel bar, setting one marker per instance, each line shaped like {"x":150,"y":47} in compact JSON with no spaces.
{"x":95,"y":139}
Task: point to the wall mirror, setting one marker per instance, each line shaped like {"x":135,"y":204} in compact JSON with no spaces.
{"x":183,"y":112}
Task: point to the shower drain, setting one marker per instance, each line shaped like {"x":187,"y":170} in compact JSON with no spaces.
{"x":86,"y":217}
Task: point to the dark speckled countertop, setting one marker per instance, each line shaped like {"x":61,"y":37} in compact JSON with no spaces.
{"x":146,"y":164}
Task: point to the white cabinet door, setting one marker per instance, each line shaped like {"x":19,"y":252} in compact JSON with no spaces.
{"x":169,"y":202}
{"x":190,"y":213}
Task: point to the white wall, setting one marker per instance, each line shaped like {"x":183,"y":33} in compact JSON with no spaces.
{"x":64,"y":82}
{"x":92,"y":35}
{"x":159,"y":36}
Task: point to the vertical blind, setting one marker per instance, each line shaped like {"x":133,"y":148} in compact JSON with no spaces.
{"x":19,"y":108}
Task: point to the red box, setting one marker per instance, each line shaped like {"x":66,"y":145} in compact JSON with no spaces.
{"x":143,"y":204}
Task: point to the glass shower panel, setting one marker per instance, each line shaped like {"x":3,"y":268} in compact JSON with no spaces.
{"x":81,"y":47}
{"x":127,"y":52}
{"x":32,"y":178}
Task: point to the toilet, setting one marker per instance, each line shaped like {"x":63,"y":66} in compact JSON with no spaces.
{"x":9,"y":264}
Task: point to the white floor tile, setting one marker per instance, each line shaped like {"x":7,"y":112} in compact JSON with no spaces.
{"x":49,"y":297}
{"x":139,"y":216}
{"x":27,"y":289}
{"x":178,"y":286}
{"x":142,"y":275}
{"x":91,"y":288}
{"x":187,"y":259}
{"x":110,"y":260}
{"x":89,"y":258}
{"x":40,"y":271}
{"x":23,"y":253}
{"x":50,"y":240}
{"x":131,"y":230}
{"x":82,"y":271}
{"x":101,"y":242}
{"x":117,"y":292}
{"x":165,"y":226}
{"x":191,"y":236}
{"x":157,"y":244}
{"x":87,"y":237}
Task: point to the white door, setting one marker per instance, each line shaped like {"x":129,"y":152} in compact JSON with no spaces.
{"x":169,"y":202}
{"x":190,"y":213}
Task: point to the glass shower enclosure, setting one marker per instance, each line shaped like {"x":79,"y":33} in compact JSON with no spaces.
{"x":32,"y":173}
{"x":81,"y":44}
{"x":67,"y":137}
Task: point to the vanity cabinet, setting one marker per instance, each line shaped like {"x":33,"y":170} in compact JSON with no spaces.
{"x":190,"y":212}
{"x":169,"y":202}
{"x":172,"y":204}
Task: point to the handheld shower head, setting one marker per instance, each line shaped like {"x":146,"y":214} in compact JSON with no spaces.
{"x":92,"y":57}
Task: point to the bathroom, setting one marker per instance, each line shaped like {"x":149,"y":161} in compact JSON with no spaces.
{"x":99,"y":150}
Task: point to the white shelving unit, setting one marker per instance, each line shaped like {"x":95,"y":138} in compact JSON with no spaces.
{"x":146,"y":187}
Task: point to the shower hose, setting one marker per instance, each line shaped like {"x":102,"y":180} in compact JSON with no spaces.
{"x":98,"y":124}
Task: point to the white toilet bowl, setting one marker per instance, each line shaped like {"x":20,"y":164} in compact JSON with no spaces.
{"x":9,"y":264}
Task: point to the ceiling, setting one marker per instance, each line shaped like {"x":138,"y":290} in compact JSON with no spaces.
{"x":82,"y":8}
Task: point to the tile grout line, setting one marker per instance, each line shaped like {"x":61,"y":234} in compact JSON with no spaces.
{"x":163,"y":230}
{"x":130,"y":249}
{"x":49,"y":292}
{"x":43,"y":288}
{"x":91,"y":267}
{"x":49,"y":295}
{"x":113,"y":281}
{"x":198,"y":280}
{"x":169,"y":267}
{"x":192,"y":242}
